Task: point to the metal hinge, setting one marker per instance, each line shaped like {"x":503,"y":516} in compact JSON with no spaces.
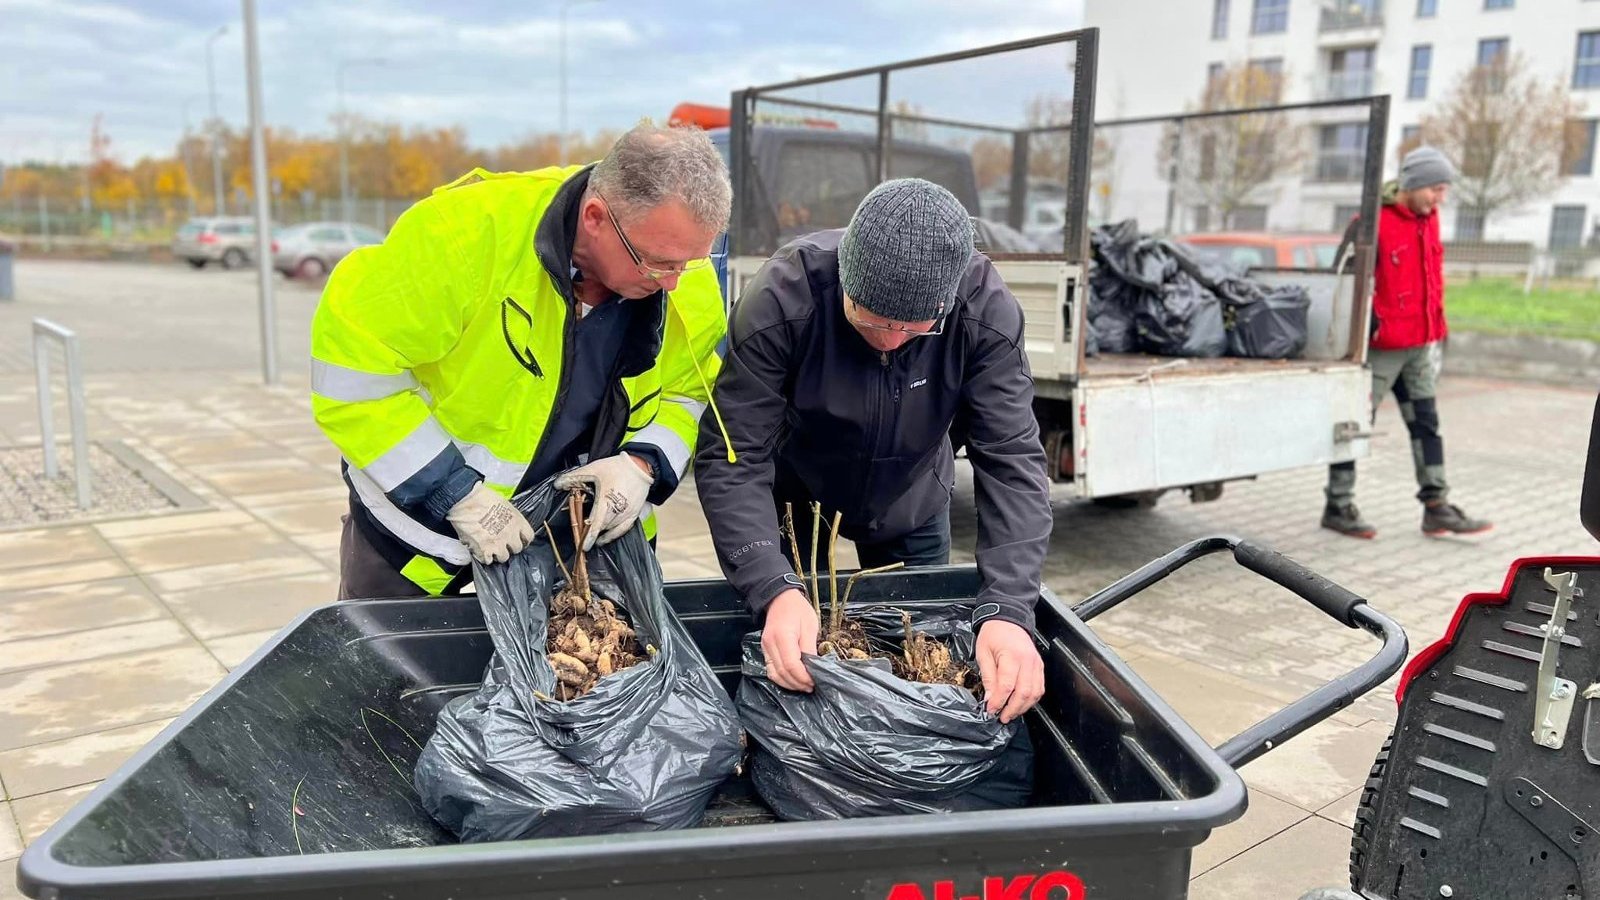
{"x":1553,"y":697}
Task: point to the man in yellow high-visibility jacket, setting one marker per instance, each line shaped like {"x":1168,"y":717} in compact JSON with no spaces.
{"x":512,"y":327}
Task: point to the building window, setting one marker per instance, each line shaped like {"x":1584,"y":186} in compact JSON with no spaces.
{"x":1577,"y":151}
{"x":1341,"y":150}
{"x":1266,"y":80}
{"x":1566,"y":227}
{"x":1349,"y":73}
{"x":1426,"y":9}
{"x":1586,"y":72}
{"x":1343,"y":213}
{"x":1421,"y":62}
{"x":1219,"y":20}
{"x":1214,"y":73}
{"x":1202,"y":219}
{"x":1270,"y":17}
{"x":1492,"y":51}
{"x":1499,"y":4}
{"x":1493,"y":54}
{"x":1469,"y":224}
{"x":1477,"y":157}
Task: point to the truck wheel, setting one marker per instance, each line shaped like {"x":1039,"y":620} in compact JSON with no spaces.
{"x":233,"y":259}
{"x":1367,"y":813}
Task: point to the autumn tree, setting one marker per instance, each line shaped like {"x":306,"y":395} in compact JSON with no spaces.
{"x":386,"y":161}
{"x":1229,"y":156}
{"x":1507,"y":132}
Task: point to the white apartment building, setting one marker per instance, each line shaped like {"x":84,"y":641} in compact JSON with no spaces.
{"x":1155,"y":57}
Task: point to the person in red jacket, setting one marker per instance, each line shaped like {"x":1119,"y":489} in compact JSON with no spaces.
{"x":1406,"y":347}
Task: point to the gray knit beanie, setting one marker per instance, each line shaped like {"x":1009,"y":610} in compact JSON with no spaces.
{"x":904,"y":252}
{"x":1425,"y":167}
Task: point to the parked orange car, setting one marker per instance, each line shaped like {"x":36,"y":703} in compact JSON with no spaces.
{"x":1260,"y":249}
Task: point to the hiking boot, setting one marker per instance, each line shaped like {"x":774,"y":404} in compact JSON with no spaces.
{"x":1447,"y":518}
{"x":1347,"y":520}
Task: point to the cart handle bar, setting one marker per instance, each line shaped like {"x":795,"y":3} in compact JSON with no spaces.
{"x":1339,"y":603}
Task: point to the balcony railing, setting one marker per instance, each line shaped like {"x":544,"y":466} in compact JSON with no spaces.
{"x":1346,"y":85}
{"x":1338,"y":165}
{"x":1345,"y":16}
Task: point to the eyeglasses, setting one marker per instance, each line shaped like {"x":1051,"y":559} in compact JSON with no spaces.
{"x":655,"y":272}
{"x":896,"y":328}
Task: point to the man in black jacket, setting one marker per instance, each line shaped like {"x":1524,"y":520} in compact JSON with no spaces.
{"x":850,"y":355}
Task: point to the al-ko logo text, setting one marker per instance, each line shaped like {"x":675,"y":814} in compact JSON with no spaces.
{"x":1049,"y":886}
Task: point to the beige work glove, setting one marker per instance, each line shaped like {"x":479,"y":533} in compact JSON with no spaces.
{"x":489,"y":525}
{"x":620,"y":489}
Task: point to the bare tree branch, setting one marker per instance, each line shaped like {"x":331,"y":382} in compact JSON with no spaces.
{"x":1228,"y":161}
{"x":1507,"y":132}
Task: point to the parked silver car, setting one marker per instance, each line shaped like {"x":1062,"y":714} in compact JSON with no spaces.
{"x":229,"y":240}
{"x":310,"y":251}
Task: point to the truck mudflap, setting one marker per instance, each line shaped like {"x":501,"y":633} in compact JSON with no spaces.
{"x":1490,"y":784}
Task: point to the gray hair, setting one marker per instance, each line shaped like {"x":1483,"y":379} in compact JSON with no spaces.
{"x":651,"y":165}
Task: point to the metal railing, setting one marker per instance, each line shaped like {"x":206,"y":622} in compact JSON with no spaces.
{"x":1346,"y":16}
{"x":1338,"y":166}
{"x":45,"y":331}
{"x":1346,"y":85}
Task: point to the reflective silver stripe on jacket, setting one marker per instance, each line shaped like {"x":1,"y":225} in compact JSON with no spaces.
{"x":336,"y":382}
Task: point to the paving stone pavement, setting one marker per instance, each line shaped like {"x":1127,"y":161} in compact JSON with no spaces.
{"x":176,"y":599}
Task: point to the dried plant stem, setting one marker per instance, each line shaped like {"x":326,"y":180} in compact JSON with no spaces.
{"x":794,"y":548}
{"x":833,"y":574}
{"x":580,"y":581}
{"x":850,"y":583}
{"x":816,"y":537}
{"x":905,"y":650}
{"x":557,"y":551}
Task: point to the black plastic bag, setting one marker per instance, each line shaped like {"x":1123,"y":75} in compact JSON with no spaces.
{"x":866,"y":743}
{"x":1262,"y":322}
{"x":1275,"y":326}
{"x":1110,"y":321}
{"x":643,"y":751}
{"x":1183,"y":319}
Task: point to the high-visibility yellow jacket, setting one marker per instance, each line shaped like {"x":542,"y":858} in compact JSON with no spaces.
{"x":439,"y":356}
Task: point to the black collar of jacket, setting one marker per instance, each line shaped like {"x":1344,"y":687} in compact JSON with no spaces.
{"x":553,"y":241}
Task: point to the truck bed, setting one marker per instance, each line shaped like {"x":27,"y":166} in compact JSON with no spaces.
{"x":1139,"y":365}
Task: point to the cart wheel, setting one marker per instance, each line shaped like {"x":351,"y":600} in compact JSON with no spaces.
{"x":1367,"y":813}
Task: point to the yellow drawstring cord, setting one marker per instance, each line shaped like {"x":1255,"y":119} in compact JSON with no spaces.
{"x":710,"y":394}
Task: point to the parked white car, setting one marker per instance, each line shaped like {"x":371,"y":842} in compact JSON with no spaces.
{"x":229,"y":240}
{"x":310,"y":251}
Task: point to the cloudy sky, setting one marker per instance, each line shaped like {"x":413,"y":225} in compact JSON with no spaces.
{"x":491,"y":67}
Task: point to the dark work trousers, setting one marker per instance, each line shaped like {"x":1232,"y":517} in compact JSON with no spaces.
{"x":1413,"y":376}
{"x":365,"y":574}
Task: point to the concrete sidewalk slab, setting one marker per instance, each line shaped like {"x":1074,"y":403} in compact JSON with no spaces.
{"x":73,"y":762}
{"x":63,"y":609}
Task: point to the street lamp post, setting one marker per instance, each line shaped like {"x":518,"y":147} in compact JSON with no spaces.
{"x":188,"y":169}
{"x":263,"y":199}
{"x":561,"y":137}
{"x":211,"y":85}
{"x":344,"y":132}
